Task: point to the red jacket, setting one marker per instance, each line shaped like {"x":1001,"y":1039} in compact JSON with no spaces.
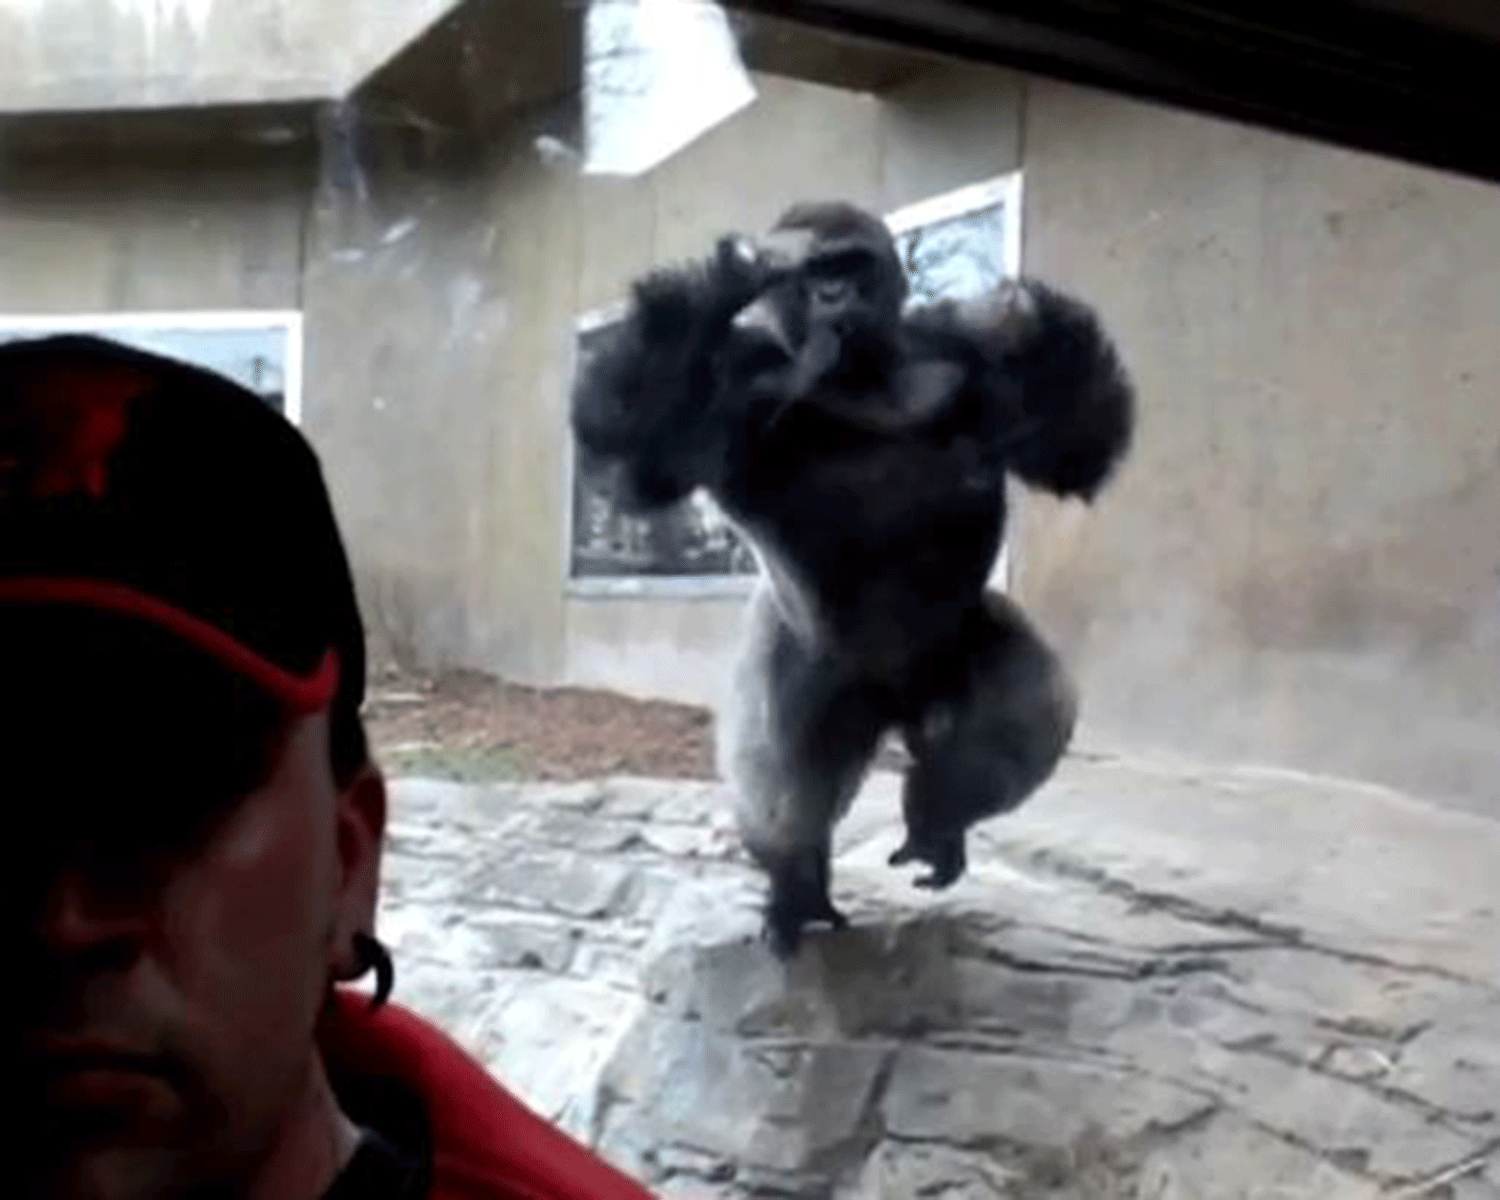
{"x":486,"y":1144}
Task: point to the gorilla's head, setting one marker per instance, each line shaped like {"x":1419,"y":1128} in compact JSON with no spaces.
{"x":842,"y":280}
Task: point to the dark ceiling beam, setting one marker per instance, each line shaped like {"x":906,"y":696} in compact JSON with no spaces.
{"x":796,"y":50}
{"x":1365,"y":77}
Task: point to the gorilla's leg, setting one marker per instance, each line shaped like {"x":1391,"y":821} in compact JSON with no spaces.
{"x":795,"y":743}
{"x":994,"y":731}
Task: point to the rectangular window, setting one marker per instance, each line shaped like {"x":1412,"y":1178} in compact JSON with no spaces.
{"x":262,"y":350}
{"x":961,"y":244}
{"x":686,"y":548}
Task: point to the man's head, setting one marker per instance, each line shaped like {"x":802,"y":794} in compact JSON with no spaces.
{"x":196,"y":820}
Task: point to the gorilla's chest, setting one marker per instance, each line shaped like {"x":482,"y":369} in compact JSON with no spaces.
{"x":878,"y":540}
{"x":848,"y":492}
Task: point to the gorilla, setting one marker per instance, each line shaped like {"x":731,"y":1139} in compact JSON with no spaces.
{"x":861,"y":446}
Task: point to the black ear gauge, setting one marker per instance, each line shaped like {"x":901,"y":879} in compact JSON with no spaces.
{"x":371,"y":955}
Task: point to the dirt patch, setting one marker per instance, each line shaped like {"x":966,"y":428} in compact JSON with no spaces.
{"x":467,"y":725}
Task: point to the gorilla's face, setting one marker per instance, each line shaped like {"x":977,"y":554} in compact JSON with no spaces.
{"x":839,"y":279}
{"x":846,"y":287}
{"x":833,"y":298}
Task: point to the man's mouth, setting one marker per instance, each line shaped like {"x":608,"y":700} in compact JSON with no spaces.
{"x":117,"y":1084}
{"x":66,"y":1050}
{"x":77,"y":1072}
{"x":96,"y":1060}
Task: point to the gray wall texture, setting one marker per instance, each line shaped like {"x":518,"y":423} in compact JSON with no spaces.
{"x":1302,"y":564}
{"x":1299,"y":565}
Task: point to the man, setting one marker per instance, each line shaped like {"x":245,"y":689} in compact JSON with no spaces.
{"x":196,"y":823}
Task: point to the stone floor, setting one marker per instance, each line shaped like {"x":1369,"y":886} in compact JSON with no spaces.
{"x":1157,"y":982}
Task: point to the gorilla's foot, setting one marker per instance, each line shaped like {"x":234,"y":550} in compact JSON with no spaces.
{"x":799,"y":897}
{"x":783,"y":929}
{"x":943,"y":852}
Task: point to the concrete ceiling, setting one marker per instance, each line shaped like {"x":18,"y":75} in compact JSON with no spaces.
{"x":1479,"y":18}
{"x":776,"y":46}
{"x":1413,"y":79}
{"x":467,"y":61}
{"x":78,"y":55}
{"x":452,"y":71}
{"x":464,"y":74}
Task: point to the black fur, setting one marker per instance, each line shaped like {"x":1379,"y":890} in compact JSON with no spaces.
{"x":864,"y":453}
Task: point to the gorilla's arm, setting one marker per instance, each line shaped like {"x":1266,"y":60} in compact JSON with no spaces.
{"x":1027,"y":369}
{"x":652,"y":404}
{"x":1058,"y":408}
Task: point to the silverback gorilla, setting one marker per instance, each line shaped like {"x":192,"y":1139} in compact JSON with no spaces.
{"x":862,"y":451}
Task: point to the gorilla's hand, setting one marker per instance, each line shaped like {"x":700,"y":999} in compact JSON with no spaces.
{"x":1066,"y":419}
{"x":783,"y":251}
{"x":742,"y":270}
{"x":1007,"y":317}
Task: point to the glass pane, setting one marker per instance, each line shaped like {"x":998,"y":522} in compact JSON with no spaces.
{"x":1159,"y":795}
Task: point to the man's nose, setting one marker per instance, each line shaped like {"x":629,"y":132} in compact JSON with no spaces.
{"x":82,"y":911}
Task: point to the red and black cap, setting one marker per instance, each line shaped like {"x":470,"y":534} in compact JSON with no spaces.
{"x":139,"y":487}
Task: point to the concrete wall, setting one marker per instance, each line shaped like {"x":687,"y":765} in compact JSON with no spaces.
{"x":104,"y":54}
{"x":441,"y":265}
{"x":1299,"y":566}
{"x":141,"y":227}
{"x":1302,"y":563}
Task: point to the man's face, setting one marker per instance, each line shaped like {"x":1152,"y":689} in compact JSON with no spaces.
{"x":174,"y":966}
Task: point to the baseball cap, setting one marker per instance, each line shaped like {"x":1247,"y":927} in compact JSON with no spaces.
{"x":146,"y":490}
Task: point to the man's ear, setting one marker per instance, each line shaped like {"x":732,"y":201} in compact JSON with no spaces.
{"x":361,"y":815}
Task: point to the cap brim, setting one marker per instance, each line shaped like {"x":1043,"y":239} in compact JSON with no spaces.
{"x":299,"y":693}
